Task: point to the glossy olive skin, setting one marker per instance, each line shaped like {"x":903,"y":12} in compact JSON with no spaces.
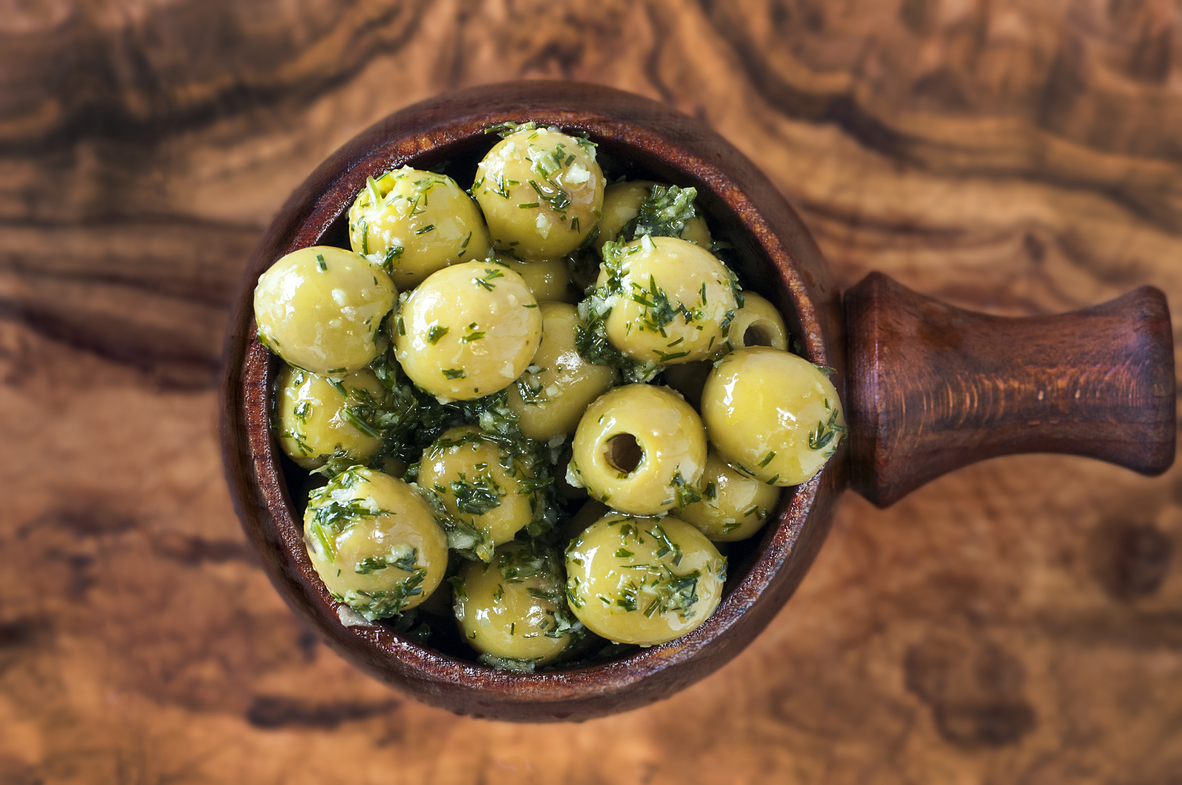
{"x":549,"y":281}
{"x":467,"y":331}
{"x":621,"y":203}
{"x":505,"y":609}
{"x":562,"y":384}
{"x":461,"y":455}
{"x":670,"y":438}
{"x":689,"y":278}
{"x":772,"y":415}
{"x":311,"y":421}
{"x":622,"y":572}
{"x":541,"y":192}
{"x":415,"y":222}
{"x":757,"y":323}
{"x":733,"y":506}
{"x":319,"y":308}
{"x":387,"y":521}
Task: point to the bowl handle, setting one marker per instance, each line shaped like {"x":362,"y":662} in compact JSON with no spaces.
{"x":932,"y":388}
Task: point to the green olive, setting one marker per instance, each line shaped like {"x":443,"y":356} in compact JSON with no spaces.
{"x":374,"y":542}
{"x":621,"y":203}
{"x":415,"y":222}
{"x":671,"y":301}
{"x":549,"y":281}
{"x":639,"y":449}
{"x":478,"y":483}
{"x":733,"y":507}
{"x":559,"y":384}
{"x":320,"y":308}
{"x":467,"y":331}
{"x":541,"y":192}
{"x":313,"y":420}
{"x":513,"y":608}
{"x":643,"y":580}
{"x":772,"y":415}
{"x":757,"y":323}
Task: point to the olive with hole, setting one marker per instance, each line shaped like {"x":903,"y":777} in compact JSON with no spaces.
{"x":640,"y":449}
{"x":757,"y":323}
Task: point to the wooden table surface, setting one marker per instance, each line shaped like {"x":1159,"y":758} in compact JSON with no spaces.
{"x":1019,"y":621}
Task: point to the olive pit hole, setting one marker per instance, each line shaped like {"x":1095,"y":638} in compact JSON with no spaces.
{"x":757,"y":335}
{"x":623,"y":453}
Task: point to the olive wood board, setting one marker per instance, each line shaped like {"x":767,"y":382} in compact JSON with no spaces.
{"x":1016,"y":621}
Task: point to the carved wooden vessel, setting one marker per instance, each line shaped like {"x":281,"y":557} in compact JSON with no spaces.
{"x":928,"y":388}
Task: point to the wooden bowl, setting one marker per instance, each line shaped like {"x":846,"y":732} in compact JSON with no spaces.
{"x":928,"y":388}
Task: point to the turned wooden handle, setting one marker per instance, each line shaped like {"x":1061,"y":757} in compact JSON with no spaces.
{"x":932,"y":388}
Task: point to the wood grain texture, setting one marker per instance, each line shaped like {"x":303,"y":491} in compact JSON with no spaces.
{"x":1016,"y":621}
{"x":932,"y":388}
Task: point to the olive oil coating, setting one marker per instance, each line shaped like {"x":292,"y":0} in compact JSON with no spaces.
{"x":541,"y":192}
{"x":554,"y":392}
{"x":467,"y":331}
{"x":643,"y":580}
{"x":320,"y":309}
{"x":621,"y":204}
{"x":640,"y":449}
{"x":313,"y":416}
{"x":513,"y":608}
{"x":478,"y":483}
{"x":374,"y":542}
{"x":733,"y":506}
{"x":772,"y":415}
{"x":671,"y":301}
{"x":414,"y":222}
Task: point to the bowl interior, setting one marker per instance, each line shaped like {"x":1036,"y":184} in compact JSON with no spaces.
{"x":443,"y":671}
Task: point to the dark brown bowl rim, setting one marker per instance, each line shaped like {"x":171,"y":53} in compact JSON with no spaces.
{"x":663,"y":140}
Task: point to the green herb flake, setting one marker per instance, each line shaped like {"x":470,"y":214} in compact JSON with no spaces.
{"x":686,"y":493}
{"x":393,"y":253}
{"x":489,"y":276}
{"x":827,"y":432}
{"x":477,"y":496}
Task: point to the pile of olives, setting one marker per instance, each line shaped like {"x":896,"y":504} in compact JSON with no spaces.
{"x":545,"y":402}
